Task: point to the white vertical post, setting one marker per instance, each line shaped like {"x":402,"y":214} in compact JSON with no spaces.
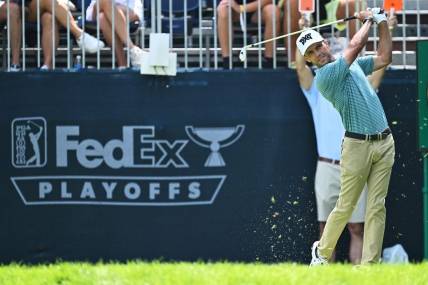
{"x":38,"y":32}
{"x":418,"y":20}
{"x":113,"y":40}
{"x":289,"y":30}
{"x":128,"y":24}
{"x":347,"y":22}
{"x":68,"y":38}
{"x":404,"y":35}
{"x":53,"y":36}
{"x":83,"y":63}
{"x":98,"y":33}
{"x":200,"y":32}
{"x":274,"y":32}
{"x":23,"y":36}
{"x":170,"y":24}
{"x":153,"y":16}
{"x":185,"y":35}
{"x":8,"y":32}
{"x":215,"y":35}
{"x":245,"y":31}
{"x":159,"y":16}
{"x":259,"y":31}
{"x":143,"y":29}
{"x":318,"y":15}
{"x":230,"y":30}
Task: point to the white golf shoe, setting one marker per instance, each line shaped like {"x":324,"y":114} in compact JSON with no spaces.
{"x":91,"y":44}
{"x":136,"y":55}
{"x":316,"y":258}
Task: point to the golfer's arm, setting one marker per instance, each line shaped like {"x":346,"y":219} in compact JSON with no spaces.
{"x":357,"y":43}
{"x":40,"y":131}
{"x":384,"y":52}
{"x":304,"y":73}
{"x":376,"y":78}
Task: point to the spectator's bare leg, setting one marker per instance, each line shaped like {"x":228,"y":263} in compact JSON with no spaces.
{"x":223,"y":28}
{"x":294,"y":26}
{"x":356,"y":231}
{"x":105,"y":27}
{"x":341,"y":13}
{"x":268,"y":11}
{"x":15,"y":28}
{"x":120,"y":24}
{"x":47,"y":38}
{"x":61,"y":11}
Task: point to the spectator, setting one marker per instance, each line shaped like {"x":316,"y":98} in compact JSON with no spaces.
{"x":329,"y":132}
{"x":340,"y":6}
{"x":90,"y":43}
{"x":251,"y":9}
{"x":15,"y":30}
{"x":122,"y":38}
{"x":47,"y":38}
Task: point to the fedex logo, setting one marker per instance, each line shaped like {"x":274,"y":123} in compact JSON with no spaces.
{"x":137,"y":148}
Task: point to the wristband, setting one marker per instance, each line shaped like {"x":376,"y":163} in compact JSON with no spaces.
{"x":370,"y":18}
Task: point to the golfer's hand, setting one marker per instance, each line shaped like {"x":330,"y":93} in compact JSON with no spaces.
{"x":378,"y":15}
{"x":392,"y":22}
{"x":364,"y":15}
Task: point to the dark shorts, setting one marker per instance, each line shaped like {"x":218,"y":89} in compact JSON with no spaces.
{"x":19,"y":2}
{"x":322,"y":11}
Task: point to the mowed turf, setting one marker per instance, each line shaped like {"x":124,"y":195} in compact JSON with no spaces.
{"x":211,"y":273}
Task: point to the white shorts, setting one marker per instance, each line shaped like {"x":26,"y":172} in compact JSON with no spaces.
{"x":327,"y":188}
{"x":134,"y":6}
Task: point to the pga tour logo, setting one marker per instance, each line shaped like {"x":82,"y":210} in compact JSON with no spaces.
{"x":138,"y":148}
{"x":29,"y":142}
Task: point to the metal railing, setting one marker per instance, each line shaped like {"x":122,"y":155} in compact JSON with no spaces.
{"x":204,"y":33}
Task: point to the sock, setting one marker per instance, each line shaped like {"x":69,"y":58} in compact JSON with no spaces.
{"x":226,"y":64}
{"x":268,"y":62}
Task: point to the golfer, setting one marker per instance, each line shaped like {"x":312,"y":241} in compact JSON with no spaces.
{"x":368,"y":147}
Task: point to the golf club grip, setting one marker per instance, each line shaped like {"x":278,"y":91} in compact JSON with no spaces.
{"x":350,"y":18}
{"x":355,"y":17}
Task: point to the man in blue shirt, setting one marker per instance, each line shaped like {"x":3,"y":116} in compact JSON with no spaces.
{"x":368,"y":147}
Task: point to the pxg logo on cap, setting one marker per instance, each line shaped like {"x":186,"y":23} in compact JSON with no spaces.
{"x":306,"y":39}
{"x":29,"y":145}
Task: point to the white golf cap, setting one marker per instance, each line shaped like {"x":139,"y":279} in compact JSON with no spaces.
{"x":306,"y":39}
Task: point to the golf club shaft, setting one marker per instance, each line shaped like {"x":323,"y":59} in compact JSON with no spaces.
{"x":298,"y":32}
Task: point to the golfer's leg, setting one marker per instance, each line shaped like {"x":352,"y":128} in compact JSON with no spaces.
{"x":378,"y":182}
{"x":355,"y":166}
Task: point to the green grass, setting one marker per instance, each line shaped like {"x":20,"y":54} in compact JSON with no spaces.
{"x":211,"y":274}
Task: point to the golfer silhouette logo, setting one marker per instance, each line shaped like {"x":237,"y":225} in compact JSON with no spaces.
{"x":29,"y":142}
{"x":34,"y":139}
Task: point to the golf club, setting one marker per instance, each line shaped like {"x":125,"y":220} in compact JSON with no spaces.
{"x":243,"y":52}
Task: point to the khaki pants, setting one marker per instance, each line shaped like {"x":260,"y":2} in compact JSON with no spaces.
{"x":361,"y":162}
{"x":327,"y":189}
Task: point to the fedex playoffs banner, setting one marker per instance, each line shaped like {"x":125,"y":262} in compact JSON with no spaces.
{"x":137,"y":148}
{"x":205,"y":165}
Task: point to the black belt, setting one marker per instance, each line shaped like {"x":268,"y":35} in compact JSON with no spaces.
{"x":376,"y":137}
{"x":337,"y":162}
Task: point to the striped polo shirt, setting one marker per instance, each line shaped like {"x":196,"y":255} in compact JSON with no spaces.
{"x":348,"y":89}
